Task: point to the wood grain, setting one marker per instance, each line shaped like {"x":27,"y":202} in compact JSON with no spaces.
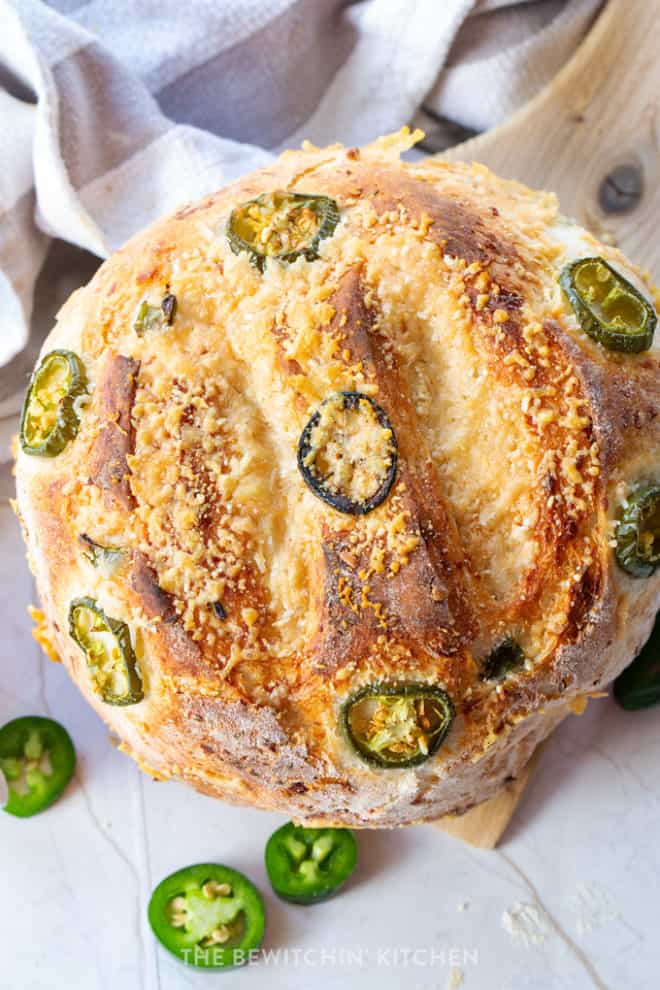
{"x":600,"y":111}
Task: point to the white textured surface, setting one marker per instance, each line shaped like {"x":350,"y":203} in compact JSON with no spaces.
{"x":584,"y":852}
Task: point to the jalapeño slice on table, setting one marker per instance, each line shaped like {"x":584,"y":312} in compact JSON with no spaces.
{"x":149,"y":318}
{"x":639,"y":684}
{"x":37,"y":760}
{"x":306,"y":865}
{"x":638,"y":532}
{"x":107,"y":646}
{"x":347,"y":453}
{"x":208,"y":916}
{"x":282,"y":225}
{"x":504,"y":659}
{"x":51,"y":410}
{"x":394,"y":724}
{"x":607,"y":306}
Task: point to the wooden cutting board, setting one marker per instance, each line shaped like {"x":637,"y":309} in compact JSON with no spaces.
{"x":484,"y":825}
{"x":593,"y":137}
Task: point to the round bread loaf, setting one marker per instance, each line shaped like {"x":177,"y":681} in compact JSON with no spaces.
{"x":334,"y":517}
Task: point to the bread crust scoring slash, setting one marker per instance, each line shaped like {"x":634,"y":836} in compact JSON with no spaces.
{"x":383,"y":471}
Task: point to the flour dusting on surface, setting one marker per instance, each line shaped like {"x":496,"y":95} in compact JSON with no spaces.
{"x":527,"y":924}
{"x":594,"y":907}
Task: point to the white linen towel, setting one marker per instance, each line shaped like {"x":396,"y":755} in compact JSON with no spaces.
{"x":113,"y":112}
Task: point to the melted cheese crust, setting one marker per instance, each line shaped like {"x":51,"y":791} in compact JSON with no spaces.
{"x":517,"y":438}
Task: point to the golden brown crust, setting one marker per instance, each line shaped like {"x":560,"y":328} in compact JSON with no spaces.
{"x":108,"y":464}
{"x":426,"y":602}
{"x":155,"y":602}
{"x":518,"y":438}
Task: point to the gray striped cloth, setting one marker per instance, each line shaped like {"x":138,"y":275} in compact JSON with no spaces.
{"x":113,"y":112}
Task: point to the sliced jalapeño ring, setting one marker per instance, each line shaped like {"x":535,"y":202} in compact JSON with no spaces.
{"x":37,"y":760}
{"x":107,"y":646}
{"x":637,"y":534}
{"x":282,"y":225}
{"x":608,"y":307}
{"x":347,"y":453}
{"x":208,"y":915}
{"x":51,"y":410}
{"x":307,"y":865}
{"x":397,"y":724}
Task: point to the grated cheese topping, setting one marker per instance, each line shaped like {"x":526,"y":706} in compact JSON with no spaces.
{"x":460,"y":310}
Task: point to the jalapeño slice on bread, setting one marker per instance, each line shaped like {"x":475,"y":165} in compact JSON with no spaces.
{"x":393,"y":724}
{"x":98,"y":554}
{"x":51,"y":410}
{"x":282,"y":225}
{"x":638,"y":532}
{"x":111,"y":659}
{"x":152,"y":318}
{"x":607,"y":306}
{"x":347,"y":453}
